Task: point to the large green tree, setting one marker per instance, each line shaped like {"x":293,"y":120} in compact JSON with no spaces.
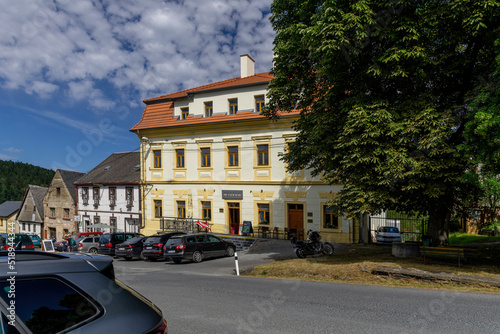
{"x":383,"y":88}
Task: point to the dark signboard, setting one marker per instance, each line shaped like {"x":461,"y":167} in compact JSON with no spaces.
{"x":247,"y":227}
{"x":232,"y":194}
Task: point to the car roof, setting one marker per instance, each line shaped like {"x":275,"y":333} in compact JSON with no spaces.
{"x":53,"y":263}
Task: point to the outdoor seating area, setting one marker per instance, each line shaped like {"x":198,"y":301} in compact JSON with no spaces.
{"x":185,"y":225}
{"x":285,"y":233}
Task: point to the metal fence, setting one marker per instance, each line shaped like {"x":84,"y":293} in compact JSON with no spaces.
{"x":411,"y":228}
{"x":174,"y":224}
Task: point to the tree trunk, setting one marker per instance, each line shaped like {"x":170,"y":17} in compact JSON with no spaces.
{"x":439,"y":227}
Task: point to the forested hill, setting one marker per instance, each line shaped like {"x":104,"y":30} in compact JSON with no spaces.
{"x":16,"y":176}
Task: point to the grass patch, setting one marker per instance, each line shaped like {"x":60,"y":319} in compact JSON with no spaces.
{"x":355,"y":266}
{"x":458,"y":238}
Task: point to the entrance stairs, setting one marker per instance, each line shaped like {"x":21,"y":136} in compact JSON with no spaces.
{"x":242,"y":243}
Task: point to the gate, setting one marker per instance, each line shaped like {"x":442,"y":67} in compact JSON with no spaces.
{"x":411,"y":228}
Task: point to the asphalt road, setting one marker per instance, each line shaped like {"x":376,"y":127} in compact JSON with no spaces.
{"x":209,"y":298}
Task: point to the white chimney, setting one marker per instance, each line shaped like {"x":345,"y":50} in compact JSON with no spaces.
{"x":247,"y":66}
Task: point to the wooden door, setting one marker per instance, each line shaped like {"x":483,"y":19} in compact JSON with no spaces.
{"x":234,"y":217}
{"x":296,"y":219}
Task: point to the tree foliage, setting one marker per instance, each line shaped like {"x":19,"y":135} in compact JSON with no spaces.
{"x":16,"y":176}
{"x":383,"y":88}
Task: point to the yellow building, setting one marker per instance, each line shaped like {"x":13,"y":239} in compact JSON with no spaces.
{"x":8,"y":212}
{"x":208,"y":154}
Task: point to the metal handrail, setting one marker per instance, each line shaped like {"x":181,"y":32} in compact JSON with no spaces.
{"x":176,"y":224}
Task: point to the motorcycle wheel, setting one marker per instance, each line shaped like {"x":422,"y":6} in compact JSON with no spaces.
{"x":327,"y":249}
{"x":300,"y":253}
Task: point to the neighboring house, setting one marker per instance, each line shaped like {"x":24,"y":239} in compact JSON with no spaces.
{"x":60,"y":205}
{"x":8,"y":212}
{"x":108,"y":196}
{"x":30,"y":215}
{"x":208,"y":153}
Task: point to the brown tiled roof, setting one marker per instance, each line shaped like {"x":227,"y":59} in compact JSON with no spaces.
{"x":259,"y":78}
{"x":159,"y":111}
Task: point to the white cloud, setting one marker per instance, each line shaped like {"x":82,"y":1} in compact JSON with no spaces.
{"x":76,"y":48}
{"x":6,"y":157}
{"x":13,"y":150}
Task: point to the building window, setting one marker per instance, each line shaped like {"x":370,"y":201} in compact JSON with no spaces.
{"x":85,"y":196}
{"x":158,"y":209}
{"x":233,"y":106}
{"x":179,"y":158}
{"x":95,"y":195}
{"x":205,"y":157}
{"x":263,"y":155}
{"x":259,"y":103}
{"x":206,"y":210}
{"x":97,"y":220}
{"x":129,"y":196}
{"x":112,"y":222}
{"x":52,"y":212}
{"x":184,"y":113}
{"x":232,"y":155}
{"x":330,"y":219}
{"x":263,"y":213}
{"x":181,"y":209}
{"x":66,"y":214}
{"x":58,"y":191}
{"x":209,"y":109}
{"x":112,"y":196}
{"x":157,"y":158}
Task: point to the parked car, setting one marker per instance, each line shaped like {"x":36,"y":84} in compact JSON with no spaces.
{"x":153,"y":246}
{"x":35,"y":238}
{"x":87,"y":244}
{"x":130,"y":248}
{"x":108,"y":241}
{"x":71,"y":293}
{"x":18,"y":241}
{"x":197,"y":247}
{"x":85,"y":234}
{"x":388,"y":235}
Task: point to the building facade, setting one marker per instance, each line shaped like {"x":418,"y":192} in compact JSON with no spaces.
{"x":207,"y":153}
{"x":8,"y":213}
{"x":30,"y":216}
{"x":60,"y":205}
{"x":109,"y":196}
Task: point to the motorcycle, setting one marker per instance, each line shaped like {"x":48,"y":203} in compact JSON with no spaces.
{"x":313,"y":245}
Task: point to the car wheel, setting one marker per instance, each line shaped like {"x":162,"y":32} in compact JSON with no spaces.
{"x":327,"y":249}
{"x":197,"y":257}
{"x":230,"y":251}
{"x":300,"y":253}
{"x":177,"y":260}
{"x":93,"y":251}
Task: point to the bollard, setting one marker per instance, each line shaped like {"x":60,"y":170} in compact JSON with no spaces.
{"x":236,"y":262}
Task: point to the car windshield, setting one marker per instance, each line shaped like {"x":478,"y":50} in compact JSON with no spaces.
{"x":134,"y":240}
{"x":174,"y":241}
{"x":153,"y":240}
{"x":389,"y":229}
{"x":105,"y":238}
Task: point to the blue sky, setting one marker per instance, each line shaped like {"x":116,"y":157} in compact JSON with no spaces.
{"x":73,"y":74}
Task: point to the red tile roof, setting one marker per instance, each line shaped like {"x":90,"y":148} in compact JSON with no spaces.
{"x":259,"y":78}
{"x":159,"y":111}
